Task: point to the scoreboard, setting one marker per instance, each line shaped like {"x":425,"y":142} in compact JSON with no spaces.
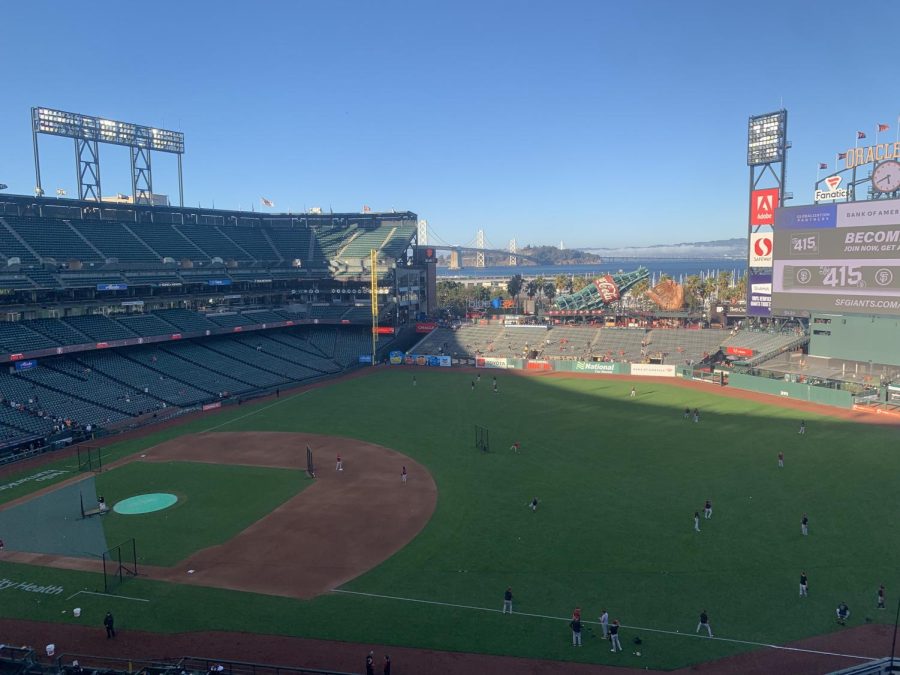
{"x":837,"y":257}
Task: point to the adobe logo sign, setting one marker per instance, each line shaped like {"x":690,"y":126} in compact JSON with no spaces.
{"x":762,"y":206}
{"x":761,"y":250}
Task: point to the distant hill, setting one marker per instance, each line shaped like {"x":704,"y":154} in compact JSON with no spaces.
{"x":719,"y":248}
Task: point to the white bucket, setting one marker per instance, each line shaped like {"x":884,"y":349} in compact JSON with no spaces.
{"x":76,"y":612}
{"x":51,"y":649}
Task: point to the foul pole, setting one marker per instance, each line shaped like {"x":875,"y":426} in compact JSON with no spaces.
{"x":373,"y":263}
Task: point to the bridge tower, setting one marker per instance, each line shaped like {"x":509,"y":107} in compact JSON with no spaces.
{"x":455,"y":259}
{"x":479,"y":245}
{"x":423,"y":233}
{"x":513,"y":249}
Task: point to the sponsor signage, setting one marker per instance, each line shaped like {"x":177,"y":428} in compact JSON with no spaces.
{"x":538,"y":365}
{"x":652,"y":369}
{"x":607,"y":288}
{"x":848,"y":269}
{"x":759,"y":302}
{"x":8,"y":584}
{"x":212,"y":406}
{"x":384,"y":330}
{"x":490,"y":362}
{"x":28,"y":364}
{"x":833,"y":190}
{"x":396,"y":358}
{"x":805,"y":217}
{"x":365,"y":358}
{"x":870,"y":154}
{"x":762,"y":206}
{"x":761,"y":247}
{"x":427,"y":254}
{"x":595,"y":367}
{"x":425,"y":327}
{"x":112,"y":287}
{"x":866,"y":214}
{"x":218,"y":282}
{"x":739,"y":351}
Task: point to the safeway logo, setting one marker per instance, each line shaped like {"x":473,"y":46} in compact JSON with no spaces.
{"x":762,"y":247}
{"x":834,"y":190}
{"x":762,"y":206}
{"x":761,"y":250}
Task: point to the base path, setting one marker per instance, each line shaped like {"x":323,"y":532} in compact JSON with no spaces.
{"x":343,"y":525}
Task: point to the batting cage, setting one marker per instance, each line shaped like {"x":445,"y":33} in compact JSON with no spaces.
{"x":119,"y":563}
{"x":89,"y":458}
{"x":310,"y":465}
{"x":482,"y":438}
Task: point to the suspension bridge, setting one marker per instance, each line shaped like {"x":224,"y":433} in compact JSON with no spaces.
{"x":478,"y":246}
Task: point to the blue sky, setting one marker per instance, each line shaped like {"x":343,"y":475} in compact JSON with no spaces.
{"x":601,"y":124}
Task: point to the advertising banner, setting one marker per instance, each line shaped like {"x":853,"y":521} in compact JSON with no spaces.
{"x":28,"y":364}
{"x":762,"y":206}
{"x":806,"y":217}
{"x":490,"y":362}
{"x":760,"y":295}
{"x":866,"y":214}
{"x":739,"y":351}
{"x":607,"y":288}
{"x":761,"y":246}
{"x":112,"y":287}
{"x":847,"y":269}
{"x":538,"y":365}
{"x":212,"y":406}
{"x":384,"y":330}
{"x":218,"y":282}
{"x":595,"y":367}
{"x":425,"y":327}
{"x":652,"y":369}
{"x":396,"y":358}
{"x":365,"y":358}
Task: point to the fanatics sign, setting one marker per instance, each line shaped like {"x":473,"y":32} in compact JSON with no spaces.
{"x":762,"y":206}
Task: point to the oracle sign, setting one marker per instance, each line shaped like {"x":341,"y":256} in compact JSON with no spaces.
{"x":607,"y":288}
{"x":762,"y":206}
{"x":761,"y":247}
{"x":425,"y":327}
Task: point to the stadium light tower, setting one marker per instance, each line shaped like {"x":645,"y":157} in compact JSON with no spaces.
{"x":89,"y":132}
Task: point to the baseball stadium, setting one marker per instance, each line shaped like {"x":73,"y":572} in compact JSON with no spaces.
{"x":240,"y":442}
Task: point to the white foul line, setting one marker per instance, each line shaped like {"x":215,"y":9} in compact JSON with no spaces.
{"x":107,"y":595}
{"x":650,"y":630}
{"x":255,"y":412}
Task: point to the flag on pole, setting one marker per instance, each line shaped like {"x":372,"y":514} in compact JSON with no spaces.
{"x":823,"y":165}
{"x":860,"y":135}
{"x":842,"y":155}
{"x":883,"y":127}
{"x":267,"y":202}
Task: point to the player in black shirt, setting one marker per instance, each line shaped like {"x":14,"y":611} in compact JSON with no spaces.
{"x":804,"y":585}
{"x":704,"y":623}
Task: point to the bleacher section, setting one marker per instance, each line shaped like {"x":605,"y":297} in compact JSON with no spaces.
{"x":765,"y":345}
{"x":99,"y":327}
{"x":52,"y":238}
{"x":670,"y":346}
{"x":115,"y":241}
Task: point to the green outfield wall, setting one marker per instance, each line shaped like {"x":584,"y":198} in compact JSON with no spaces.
{"x":855,"y":338}
{"x":795,"y":390}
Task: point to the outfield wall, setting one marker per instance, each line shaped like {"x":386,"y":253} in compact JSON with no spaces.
{"x":855,"y":338}
{"x":804,"y":392}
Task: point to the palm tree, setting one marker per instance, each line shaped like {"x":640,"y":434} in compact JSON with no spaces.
{"x":692,"y":290}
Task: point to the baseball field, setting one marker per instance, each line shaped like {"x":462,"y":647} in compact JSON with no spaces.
{"x":252,"y":544}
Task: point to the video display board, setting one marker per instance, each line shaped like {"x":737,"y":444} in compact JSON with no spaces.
{"x":841,"y":258}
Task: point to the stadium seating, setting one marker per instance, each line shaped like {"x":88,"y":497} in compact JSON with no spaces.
{"x":58,"y":331}
{"x":254,"y":377}
{"x":167,"y":363}
{"x":146,"y":325}
{"x":115,"y":240}
{"x":168,"y":242}
{"x":53,"y":238}
{"x":254,"y":241}
{"x":137,"y":376}
{"x":99,"y":327}
{"x":11,"y":246}
{"x":186,"y":320}
{"x":16,"y":337}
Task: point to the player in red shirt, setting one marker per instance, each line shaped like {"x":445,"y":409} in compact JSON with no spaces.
{"x":403,"y":476}
{"x":340,"y":464}
{"x":515,"y":447}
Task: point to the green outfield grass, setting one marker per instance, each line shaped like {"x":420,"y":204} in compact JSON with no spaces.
{"x":215,"y":502}
{"x":618,"y":481}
